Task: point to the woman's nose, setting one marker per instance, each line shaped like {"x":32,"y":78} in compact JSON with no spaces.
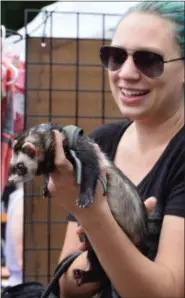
{"x":128,"y":70}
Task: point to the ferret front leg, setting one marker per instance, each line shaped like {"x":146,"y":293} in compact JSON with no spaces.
{"x":87,"y":187}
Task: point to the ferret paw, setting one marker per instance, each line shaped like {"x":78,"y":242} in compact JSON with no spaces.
{"x":85,"y":199}
{"x":45,"y":192}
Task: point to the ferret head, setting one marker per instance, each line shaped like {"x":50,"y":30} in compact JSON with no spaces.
{"x":24,"y":162}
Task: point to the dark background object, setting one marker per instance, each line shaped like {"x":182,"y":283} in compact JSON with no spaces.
{"x":12,"y":13}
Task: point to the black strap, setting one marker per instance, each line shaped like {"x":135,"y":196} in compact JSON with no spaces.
{"x":24,"y":290}
{"x":62,"y":267}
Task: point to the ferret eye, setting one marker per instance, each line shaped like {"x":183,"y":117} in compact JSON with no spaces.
{"x":29,"y":151}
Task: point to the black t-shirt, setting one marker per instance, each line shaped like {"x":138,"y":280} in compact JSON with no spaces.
{"x":165,"y":181}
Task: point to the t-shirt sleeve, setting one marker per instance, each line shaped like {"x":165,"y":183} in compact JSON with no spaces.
{"x":175,"y":204}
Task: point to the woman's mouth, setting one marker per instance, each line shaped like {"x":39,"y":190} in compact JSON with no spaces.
{"x":132,"y":96}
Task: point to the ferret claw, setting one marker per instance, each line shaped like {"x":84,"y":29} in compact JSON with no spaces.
{"x":45,"y":192}
{"x":104,"y":185}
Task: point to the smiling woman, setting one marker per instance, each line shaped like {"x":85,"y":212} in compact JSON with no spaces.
{"x":146,"y":70}
{"x":148,"y":149}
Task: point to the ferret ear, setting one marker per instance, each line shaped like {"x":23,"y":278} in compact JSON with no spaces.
{"x":29,"y":149}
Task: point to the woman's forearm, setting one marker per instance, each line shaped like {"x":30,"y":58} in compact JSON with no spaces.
{"x":131,"y":273}
{"x":68,"y":287}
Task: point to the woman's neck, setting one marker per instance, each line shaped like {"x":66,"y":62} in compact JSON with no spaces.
{"x":157,"y":133}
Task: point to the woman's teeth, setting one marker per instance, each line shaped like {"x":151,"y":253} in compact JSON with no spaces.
{"x":133,"y":93}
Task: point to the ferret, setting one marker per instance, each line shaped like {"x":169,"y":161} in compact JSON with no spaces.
{"x":34,"y":153}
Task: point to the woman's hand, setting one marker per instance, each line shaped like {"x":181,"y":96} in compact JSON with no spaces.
{"x":149,"y":204}
{"x":62,"y":184}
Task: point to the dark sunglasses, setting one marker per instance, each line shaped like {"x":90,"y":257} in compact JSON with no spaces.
{"x":149,"y":63}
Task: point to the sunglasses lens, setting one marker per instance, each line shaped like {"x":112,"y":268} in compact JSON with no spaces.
{"x":112,"y":57}
{"x":150,"y":64}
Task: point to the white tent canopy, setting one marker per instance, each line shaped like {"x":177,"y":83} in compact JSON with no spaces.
{"x":62,"y":23}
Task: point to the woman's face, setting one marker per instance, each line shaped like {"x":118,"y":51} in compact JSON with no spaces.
{"x":164,"y":97}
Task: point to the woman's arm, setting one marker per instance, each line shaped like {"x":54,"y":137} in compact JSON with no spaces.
{"x":72,"y":243}
{"x":68,"y":287}
{"x":17,"y":230}
{"x":131,"y":273}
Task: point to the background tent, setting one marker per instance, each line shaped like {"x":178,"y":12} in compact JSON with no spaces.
{"x":64,"y":25}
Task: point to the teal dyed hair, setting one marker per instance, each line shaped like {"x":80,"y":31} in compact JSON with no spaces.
{"x":171,"y":11}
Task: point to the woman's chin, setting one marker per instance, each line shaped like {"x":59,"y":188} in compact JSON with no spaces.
{"x":133,"y":113}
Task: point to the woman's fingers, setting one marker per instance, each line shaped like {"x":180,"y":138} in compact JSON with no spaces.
{"x":150,"y":204}
{"x":61,"y":161}
{"x":82,"y":247}
{"x":62,"y":177}
{"x":79,"y":230}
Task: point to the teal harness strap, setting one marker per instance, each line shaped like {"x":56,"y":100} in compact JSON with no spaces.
{"x":73,"y":132}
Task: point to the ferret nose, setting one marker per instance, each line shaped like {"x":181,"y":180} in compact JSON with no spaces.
{"x":21,"y":169}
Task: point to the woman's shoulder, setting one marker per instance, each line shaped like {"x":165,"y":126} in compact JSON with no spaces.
{"x":107,"y":136}
{"x":110,"y":130}
{"x":175,"y":151}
